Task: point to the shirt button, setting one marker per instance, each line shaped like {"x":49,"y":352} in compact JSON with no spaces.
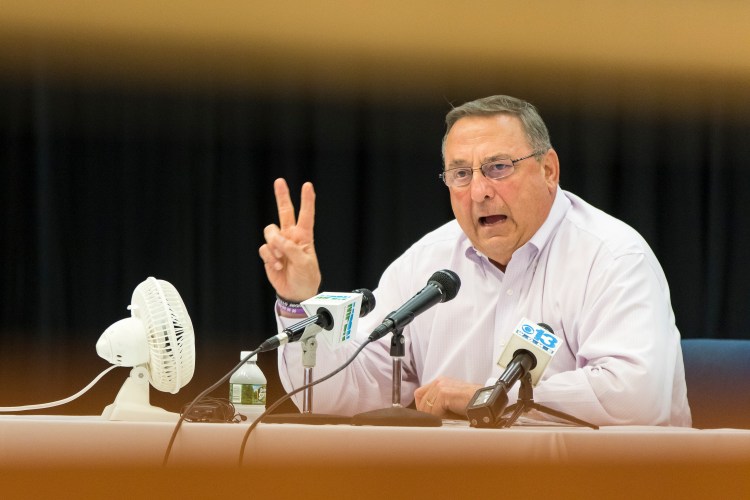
{"x":509,"y":292}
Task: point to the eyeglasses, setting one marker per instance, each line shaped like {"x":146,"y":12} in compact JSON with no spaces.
{"x":495,"y":170}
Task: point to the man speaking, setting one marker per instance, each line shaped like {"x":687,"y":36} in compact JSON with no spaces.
{"x":522,"y":247}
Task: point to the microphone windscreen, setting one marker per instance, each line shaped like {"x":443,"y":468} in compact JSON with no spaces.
{"x":546,"y":327}
{"x":368,"y":301}
{"x":449,"y":283}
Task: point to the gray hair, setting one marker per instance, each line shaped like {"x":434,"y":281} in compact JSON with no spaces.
{"x":533,"y":125}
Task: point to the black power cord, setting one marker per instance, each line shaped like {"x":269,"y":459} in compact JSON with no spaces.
{"x":188,"y":411}
{"x":290,"y":394}
{"x":212,"y":410}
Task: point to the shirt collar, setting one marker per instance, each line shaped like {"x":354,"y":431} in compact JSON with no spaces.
{"x":556,"y":214}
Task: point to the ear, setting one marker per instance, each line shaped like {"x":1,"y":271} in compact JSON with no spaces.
{"x":551,"y":168}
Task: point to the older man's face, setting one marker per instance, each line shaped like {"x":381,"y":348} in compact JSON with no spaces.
{"x":499,"y":216}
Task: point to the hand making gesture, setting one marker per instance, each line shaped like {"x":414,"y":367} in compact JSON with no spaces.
{"x":289,"y":253}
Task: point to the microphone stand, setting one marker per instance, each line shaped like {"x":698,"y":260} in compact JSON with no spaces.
{"x":309,"y":342}
{"x":397,"y":415}
{"x":526,"y":403}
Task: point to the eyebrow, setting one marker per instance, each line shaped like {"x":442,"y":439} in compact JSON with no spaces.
{"x":496,"y":157}
{"x":485,"y":160}
{"x":458,"y":164}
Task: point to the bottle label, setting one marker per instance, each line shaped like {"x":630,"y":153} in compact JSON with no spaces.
{"x":247,"y":394}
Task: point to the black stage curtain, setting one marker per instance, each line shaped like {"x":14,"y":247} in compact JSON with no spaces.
{"x":104,"y":186}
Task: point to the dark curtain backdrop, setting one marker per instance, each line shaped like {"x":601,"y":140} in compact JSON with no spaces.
{"x":104,"y":186}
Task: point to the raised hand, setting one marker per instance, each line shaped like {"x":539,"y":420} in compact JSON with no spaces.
{"x":289,"y":252}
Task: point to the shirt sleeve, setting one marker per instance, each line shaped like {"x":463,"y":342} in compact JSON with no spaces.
{"x":625,"y":346}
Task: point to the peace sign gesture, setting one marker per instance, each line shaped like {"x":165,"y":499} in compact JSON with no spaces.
{"x":289,"y":253}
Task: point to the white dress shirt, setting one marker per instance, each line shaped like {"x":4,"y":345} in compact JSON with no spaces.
{"x":589,"y":276}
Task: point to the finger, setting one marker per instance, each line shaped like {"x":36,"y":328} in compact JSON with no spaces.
{"x":306,"y":219}
{"x":274,"y":240}
{"x":429,"y":403}
{"x":419,"y":394}
{"x":284,"y":249}
{"x":284,"y":204}
{"x":269,"y":260}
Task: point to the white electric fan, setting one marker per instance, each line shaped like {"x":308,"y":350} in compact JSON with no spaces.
{"x":157,"y":340}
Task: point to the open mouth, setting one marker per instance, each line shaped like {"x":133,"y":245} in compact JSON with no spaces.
{"x":491,"y":220}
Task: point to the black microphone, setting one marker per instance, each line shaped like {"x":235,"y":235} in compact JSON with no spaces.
{"x":442,"y":287}
{"x":323,"y":318}
{"x":530,"y":347}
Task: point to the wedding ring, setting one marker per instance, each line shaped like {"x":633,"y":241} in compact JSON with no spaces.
{"x":428,"y":403}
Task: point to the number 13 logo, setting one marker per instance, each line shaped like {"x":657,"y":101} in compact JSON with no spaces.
{"x":544,"y":337}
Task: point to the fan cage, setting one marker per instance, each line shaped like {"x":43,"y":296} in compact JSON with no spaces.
{"x":169,"y":333}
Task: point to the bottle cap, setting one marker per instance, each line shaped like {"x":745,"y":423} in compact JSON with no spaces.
{"x":245,"y":353}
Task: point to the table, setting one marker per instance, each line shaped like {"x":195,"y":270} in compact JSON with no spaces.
{"x":292,"y":459}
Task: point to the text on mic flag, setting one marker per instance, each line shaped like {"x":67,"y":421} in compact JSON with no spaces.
{"x":344,"y":308}
{"x":532,"y":337}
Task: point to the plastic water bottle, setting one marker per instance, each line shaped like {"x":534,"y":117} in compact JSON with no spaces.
{"x":247,"y":388}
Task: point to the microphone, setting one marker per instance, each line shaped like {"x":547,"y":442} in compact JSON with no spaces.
{"x":332,"y":312}
{"x":529,"y":351}
{"x":442,"y":287}
{"x":538,"y":341}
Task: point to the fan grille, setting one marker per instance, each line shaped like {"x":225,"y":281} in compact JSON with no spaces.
{"x":169,"y":333}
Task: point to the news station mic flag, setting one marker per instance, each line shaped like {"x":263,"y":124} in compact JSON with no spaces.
{"x":334,"y":316}
{"x":538,"y":339}
{"x":344,"y":308}
{"x":528,"y":352}
{"x":334,"y":313}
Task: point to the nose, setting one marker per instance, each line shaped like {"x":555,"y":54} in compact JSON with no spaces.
{"x":481,"y":187}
